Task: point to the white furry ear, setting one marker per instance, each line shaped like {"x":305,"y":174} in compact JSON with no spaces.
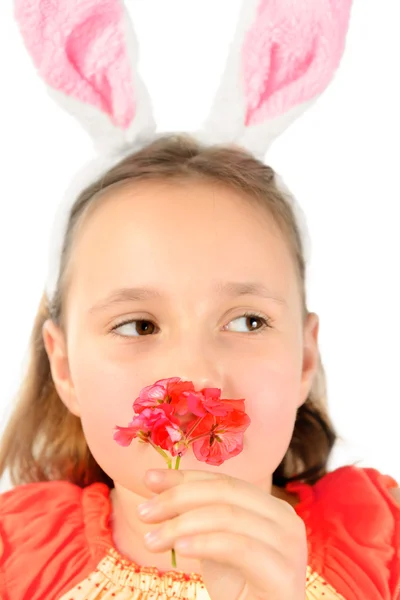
{"x":86,"y":53}
{"x":283,"y":56}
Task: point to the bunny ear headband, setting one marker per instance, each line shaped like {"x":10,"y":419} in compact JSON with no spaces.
{"x":283,"y":56}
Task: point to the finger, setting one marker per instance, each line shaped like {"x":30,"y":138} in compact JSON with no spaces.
{"x":228,"y":519}
{"x":262,"y":566}
{"x":161,"y":479}
{"x":223,"y":490}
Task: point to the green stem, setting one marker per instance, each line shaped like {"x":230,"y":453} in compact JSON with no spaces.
{"x":173,"y":554}
{"x":163,"y":454}
{"x":169,"y":463}
{"x":199,"y":437}
{"x":173,"y":557}
{"x":199,"y":420}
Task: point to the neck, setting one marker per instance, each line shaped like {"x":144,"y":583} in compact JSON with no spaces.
{"x":128,"y":532}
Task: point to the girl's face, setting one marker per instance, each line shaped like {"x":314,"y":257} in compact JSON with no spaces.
{"x":162,"y":278}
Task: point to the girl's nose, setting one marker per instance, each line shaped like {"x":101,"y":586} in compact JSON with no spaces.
{"x":201,"y":377}
{"x":203,"y":382}
{"x":202,"y":368}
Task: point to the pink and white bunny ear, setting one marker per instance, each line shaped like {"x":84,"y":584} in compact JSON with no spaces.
{"x":86,"y":53}
{"x":283,"y":56}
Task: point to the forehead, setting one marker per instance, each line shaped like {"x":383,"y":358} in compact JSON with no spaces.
{"x":184,"y":235}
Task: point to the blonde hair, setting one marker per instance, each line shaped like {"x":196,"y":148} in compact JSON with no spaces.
{"x":43,"y":439}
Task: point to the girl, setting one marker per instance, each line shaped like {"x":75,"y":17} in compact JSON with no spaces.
{"x":184,"y":256}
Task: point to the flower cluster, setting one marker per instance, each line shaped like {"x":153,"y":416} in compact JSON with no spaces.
{"x":172,"y":416}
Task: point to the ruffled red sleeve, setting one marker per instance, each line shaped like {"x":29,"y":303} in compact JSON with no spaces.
{"x":43,"y":545}
{"x":353,"y":526}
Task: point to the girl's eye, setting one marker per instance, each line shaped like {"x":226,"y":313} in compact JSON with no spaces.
{"x":143,"y":327}
{"x":250,"y":321}
{"x":134,"y":328}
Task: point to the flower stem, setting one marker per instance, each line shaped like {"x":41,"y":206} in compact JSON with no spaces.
{"x":161,"y":451}
{"x":199,"y":437}
{"x":188,"y":433}
{"x":173,"y":554}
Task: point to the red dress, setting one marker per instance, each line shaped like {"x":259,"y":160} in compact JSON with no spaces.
{"x":56,"y":543}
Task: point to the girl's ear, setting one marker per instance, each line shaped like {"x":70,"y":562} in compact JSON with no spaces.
{"x":283,"y":56}
{"x":311,"y":356}
{"x":54,"y":342}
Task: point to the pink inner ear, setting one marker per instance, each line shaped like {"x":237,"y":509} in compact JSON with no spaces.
{"x":79,"y":49}
{"x":290,"y":54}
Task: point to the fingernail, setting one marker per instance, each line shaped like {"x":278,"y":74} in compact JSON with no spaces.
{"x":152,"y":538}
{"x":155,"y":476}
{"x":183,"y":544}
{"x":145,"y":508}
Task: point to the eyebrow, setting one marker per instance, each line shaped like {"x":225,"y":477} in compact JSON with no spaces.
{"x":230,"y":289}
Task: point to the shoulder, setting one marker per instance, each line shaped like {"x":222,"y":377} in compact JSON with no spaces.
{"x":356,"y":486}
{"x":363,"y":500}
{"x":368,"y":511}
{"x":43,"y":527}
{"x":348,"y":487}
{"x":353,"y":478}
{"x":35,"y":504}
{"x":353,"y":520}
{"x":33,"y":495}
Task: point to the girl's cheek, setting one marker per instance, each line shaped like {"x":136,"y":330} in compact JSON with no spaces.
{"x":272,"y":403}
{"x":107,"y":385}
{"x":271,"y":388}
{"x":106,"y":390}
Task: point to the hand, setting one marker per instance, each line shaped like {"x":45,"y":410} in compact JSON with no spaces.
{"x":251,"y":545}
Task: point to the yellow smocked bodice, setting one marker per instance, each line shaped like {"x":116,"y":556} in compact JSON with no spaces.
{"x":120,"y":579}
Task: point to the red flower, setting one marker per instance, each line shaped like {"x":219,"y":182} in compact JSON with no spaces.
{"x":165,"y":429}
{"x":138,"y":427}
{"x":171,"y":416}
{"x":209,"y":400}
{"x":158,"y":424}
{"x":205,"y":401}
{"x":164,"y":391}
{"x":223,"y":437}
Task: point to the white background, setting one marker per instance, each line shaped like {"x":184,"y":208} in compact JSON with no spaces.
{"x":341,"y":159}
